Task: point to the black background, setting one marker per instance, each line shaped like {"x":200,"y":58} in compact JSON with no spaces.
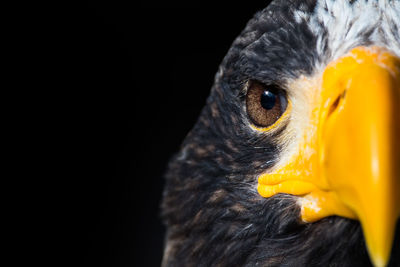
{"x":137,"y":75}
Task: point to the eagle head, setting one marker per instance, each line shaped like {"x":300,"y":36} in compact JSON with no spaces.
{"x":295,"y":158}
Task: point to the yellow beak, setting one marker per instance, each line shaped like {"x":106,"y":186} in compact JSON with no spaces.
{"x":356,"y":167}
{"x":361,"y":144}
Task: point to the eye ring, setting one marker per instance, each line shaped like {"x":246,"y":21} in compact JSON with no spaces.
{"x":265,"y":104}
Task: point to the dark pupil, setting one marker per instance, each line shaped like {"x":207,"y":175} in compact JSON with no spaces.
{"x":268,"y":100}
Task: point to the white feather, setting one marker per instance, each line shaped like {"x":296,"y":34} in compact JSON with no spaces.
{"x":346,"y":25}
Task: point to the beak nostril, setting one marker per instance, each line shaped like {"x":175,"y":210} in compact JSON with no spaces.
{"x":336,"y":103}
{"x":334,"y":106}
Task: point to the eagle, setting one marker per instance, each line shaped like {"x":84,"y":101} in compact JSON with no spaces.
{"x":295,"y":157}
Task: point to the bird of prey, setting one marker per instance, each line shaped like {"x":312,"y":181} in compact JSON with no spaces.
{"x":295,"y":158}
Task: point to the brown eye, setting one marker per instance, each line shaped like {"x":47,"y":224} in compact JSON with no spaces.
{"x":265,"y":103}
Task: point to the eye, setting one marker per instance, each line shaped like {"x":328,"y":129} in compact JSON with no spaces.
{"x":265,"y":103}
